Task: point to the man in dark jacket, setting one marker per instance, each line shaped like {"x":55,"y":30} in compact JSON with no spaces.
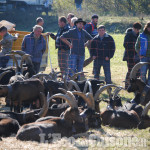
{"x":78,"y":38}
{"x":63,"y":49}
{"x":91,"y":27}
{"x":35,"y":45}
{"x":102,"y":48}
{"x":130,"y":54}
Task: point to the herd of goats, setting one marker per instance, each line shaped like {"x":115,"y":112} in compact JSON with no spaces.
{"x":64,"y":106}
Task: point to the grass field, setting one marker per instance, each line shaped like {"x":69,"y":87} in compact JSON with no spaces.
{"x":95,"y":139}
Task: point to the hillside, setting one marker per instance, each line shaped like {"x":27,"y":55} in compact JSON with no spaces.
{"x":26,"y":20}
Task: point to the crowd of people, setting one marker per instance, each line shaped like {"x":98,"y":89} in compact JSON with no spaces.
{"x":73,"y":35}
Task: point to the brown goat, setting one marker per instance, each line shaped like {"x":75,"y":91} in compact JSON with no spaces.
{"x":8,"y":126}
{"x":69,"y":123}
{"x":23,"y":91}
{"x":30,"y":116}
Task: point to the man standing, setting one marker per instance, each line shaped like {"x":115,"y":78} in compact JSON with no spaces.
{"x":63,"y":49}
{"x":69,"y":17}
{"x":142,"y":47}
{"x":91,"y":27}
{"x":103,"y":48}
{"x":35,"y":45}
{"x":6,"y":45}
{"x":78,"y":38}
{"x":130,"y":54}
{"x":40,"y":22}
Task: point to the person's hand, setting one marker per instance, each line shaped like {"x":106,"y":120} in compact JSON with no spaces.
{"x":94,"y":57}
{"x":107,"y":58}
{"x":51,"y":34}
{"x":17,"y":34}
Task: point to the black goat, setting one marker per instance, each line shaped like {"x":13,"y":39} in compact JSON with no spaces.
{"x":125,"y":117}
{"x":6,"y":74}
{"x":10,"y":122}
{"x":28,"y":63}
{"x":30,"y":116}
{"x":71,"y":122}
{"x":139,"y":87}
{"x":23,"y":91}
{"x":8,"y":126}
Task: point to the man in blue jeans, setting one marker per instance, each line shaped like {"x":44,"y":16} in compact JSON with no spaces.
{"x":78,"y":37}
{"x":102,"y":50}
{"x":142,"y":47}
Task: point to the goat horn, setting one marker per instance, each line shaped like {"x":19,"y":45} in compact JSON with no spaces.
{"x":146,"y":108}
{"x":90,"y":96}
{"x":24,"y":57}
{"x":73,"y":83}
{"x":21,"y":53}
{"x":88,"y":83}
{"x":100,"y":90}
{"x":117,"y":90}
{"x":85,"y":98}
{"x":3,"y":73}
{"x":14,"y":58}
{"x":63,"y":90}
{"x":39,"y":75}
{"x":76,"y":74}
{"x":65,"y":83}
{"x":44,"y":109}
{"x":136,"y":68}
{"x":72,"y":103}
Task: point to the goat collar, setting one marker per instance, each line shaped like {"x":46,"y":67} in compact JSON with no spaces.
{"x":144,"y":93}
{"x":9,"y":92}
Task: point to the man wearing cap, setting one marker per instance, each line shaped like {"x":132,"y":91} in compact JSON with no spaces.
{"x":78,"y":37}
{"x":103,"y":48}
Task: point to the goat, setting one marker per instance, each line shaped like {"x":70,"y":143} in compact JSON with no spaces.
{"x":120,"y":117}
{"x":10,"y":122}
{"x":8,"y":126}
{"x":30,"y":67}
{"x":23,"y":91}
{"x":139,"y":87}
{"x":145,"y":119}
{"x":19,"y":69}
{"x":6,"y":74}
{"x":30,"y":116}
{"x":71,"y":122}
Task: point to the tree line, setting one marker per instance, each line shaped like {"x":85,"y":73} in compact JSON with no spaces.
{"x":106,"y":7}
